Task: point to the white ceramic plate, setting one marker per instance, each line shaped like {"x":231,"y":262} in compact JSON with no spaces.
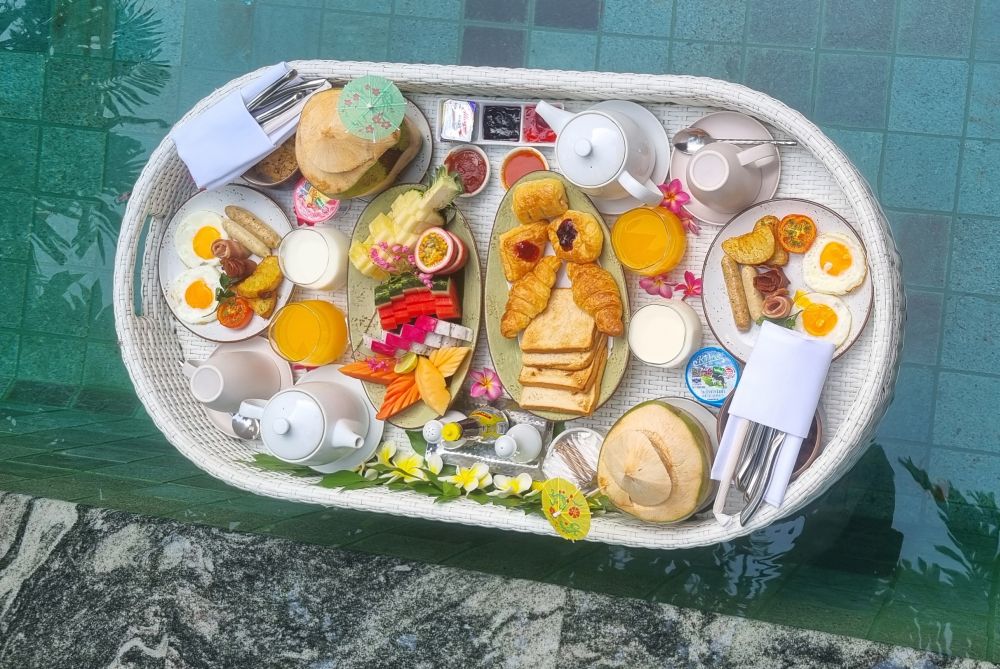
{"x":716,"y":301}
{"x":170,"y":264}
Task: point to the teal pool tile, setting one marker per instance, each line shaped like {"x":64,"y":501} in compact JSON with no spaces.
{"x":863,"y":148}
{"x":65,"y":460}
{"x":10,"y":343}
{"x":19,"y":146}
{"x":965,"y":414}
{"x":914,"y":234}
{"x":80,"y":485}
{"x":909,"y":415}
{"x":783,"y":22}
{"x":207,"y":482}
{"x":12,"y":296}
{"x":292,"y":33}
{"x":23,"y":75}
{"x":150,"y":31}
{"x":27,"y":470}
{"x":785,"y":74}
{"x":13,"y":451}
{"x":537,"y":556}
{"x":104,"y":367}
{"x":79,"y":233}
{"x":330,"y":527}
{"x":413,"y":40}
{"x":970,"y":327}
{"x":74,"y":91}
{"x":160,"y":469}
{"x":839,"y":76}
{"x":118,"y":402}
{"x":928,"y":95}
{"x":651,"y":18}
{"x":16,"y":211}
{"x":634,"y":54}
{"x":578,"y":14}
{"x":82,"y":29}
{"x":205,"y":45}
{"x":980,"y":174}
{"x":145,"y":93}
{"x":919,"y":172}
{"x":119,"y":452}
{"x":130,"y":428}
{"x":965,"y":471}
{"x":947,"y":33}
{"x":51,"y":358}
{"x":562,"y":50}
{"x":439,"y":9}
{"x":721,"y":61}
{"x":962,"y":592}
{"x":197,"y":83}
{"x":237,"y":514}
{"x":974,"y":255}
{"x":842,"y":28}
{"x":817,"y":610}
{"x":984,"y":102}
{"x":495,"y":47}
{"x":414,"y":548}
{"x":922,"y":337}
{"x":42,"y":394}
{"x":371,"y":6}
{"x":988,"y":48}
{"x":928,"y":628}
{"x":58,"y":300}
{"x":72,"y":161}
{"x":26,"y":26}
{"x":355,"y":36}
{"x":128,"y":500}
{"x":708,"y":20}
{"x":190,"y":496}
{"x":511,"y":11}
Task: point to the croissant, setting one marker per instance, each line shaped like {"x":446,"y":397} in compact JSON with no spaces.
{"x":529,"y":296}
{"x":596,"y":292}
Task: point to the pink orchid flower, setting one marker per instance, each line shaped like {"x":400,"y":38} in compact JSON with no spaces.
{"x":657,"y":285}
{"x":690,"y":225}
{"x":674,"y":197}
{"x":691,"y":286}
{"x":486,"y":383}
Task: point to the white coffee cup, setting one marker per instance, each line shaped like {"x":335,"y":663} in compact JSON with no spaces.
{"x":725,"y":177}
{"x":227,"y":378}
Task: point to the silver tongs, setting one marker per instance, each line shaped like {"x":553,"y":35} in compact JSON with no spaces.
{"x":281,"y":96}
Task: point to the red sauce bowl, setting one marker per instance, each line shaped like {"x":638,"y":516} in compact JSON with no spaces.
{"x":472,"y":164}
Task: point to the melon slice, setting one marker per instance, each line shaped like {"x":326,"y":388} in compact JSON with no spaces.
{"x":655,"y":463}
{"x":432,"y":387}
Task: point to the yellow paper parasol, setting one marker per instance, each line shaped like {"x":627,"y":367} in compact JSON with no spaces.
{"x":566,"y":508}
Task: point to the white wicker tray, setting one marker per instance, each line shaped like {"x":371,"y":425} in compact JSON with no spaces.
{"x":857,"y":394}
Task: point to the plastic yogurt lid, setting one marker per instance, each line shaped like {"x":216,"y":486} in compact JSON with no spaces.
{"x":711,"y":375}
{"x":312,"y":206}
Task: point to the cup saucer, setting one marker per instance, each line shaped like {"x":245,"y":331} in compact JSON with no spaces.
{"x":331,"y":374}
{"x":727,"y":124}
{"x":223,"y":420}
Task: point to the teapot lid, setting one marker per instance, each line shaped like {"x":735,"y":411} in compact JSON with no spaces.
{"x":590,"y":149}
{"x":293,"y":425}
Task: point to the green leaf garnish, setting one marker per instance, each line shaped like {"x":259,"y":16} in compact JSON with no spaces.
{"x":787,"y":322}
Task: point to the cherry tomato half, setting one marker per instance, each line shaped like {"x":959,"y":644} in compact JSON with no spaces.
{"x":235,"y":312}
{"x":796,"y":233}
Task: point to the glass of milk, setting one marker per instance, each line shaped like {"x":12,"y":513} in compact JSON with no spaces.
{"x":315,"y":258}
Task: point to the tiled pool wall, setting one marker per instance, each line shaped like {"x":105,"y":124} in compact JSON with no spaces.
{"x":910,"y":90}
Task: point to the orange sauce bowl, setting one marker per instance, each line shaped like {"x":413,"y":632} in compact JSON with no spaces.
{"x":520,"y":161}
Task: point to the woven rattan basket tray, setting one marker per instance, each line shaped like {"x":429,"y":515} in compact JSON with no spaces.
{"x":857,"y":393}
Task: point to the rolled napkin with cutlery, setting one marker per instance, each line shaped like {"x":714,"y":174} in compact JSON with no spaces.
{"x":226,"y":140}
{"x":779,"y":389}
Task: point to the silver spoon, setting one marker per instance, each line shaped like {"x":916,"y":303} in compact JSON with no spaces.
{"x":691,"y":140}
{"x":244,"y":427}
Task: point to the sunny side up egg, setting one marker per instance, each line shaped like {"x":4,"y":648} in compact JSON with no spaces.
{"x":835,"y":264}
{"x":195,"y":235}
{"x":823,"y":317}
{"x":192,"y":295}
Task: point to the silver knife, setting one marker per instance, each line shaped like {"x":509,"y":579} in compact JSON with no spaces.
{"x":288,"y":76}
{"x":758,"y":493}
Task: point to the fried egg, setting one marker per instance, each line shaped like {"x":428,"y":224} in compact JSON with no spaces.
{"x":194,"y":236}
{"x":823,"y":317}
{"x":835,"y":264}
{"x":192,"y":295}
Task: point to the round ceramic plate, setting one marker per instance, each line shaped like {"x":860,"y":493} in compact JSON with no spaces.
{"x":716,"y":301}
{"x":362,"y":319}
{"x":417,"y":169}
{"x":732,"y":125}
{"x":506,"y":353}
{"x":170,"y":265}
{"x":331,"y":374}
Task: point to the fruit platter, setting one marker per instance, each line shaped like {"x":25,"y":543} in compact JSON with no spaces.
{"x":508,"y":299}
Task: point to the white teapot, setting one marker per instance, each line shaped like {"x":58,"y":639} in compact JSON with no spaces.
{"x":311,"y":424}
{"x":603,"y":152}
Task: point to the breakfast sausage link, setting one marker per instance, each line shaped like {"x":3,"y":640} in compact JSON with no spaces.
{"x":737,"y":298}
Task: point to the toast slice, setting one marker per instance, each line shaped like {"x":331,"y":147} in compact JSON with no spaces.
{"x":563,"y":327}
{"x":582,"y":403}
{"x":579,"y":380}
{"x":570,"y":362}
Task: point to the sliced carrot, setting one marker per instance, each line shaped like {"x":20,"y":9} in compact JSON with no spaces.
{"x":400,"y":394}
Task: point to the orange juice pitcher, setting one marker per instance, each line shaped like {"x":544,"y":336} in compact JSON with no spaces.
{"x":649,"y":240}
{"x":311,"y":333}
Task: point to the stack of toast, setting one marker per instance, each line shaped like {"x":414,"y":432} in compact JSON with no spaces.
{"x":563,"y":358}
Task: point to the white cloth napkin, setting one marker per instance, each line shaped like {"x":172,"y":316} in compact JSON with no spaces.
{"x":779,"y":388}
{"x":224,"y":141}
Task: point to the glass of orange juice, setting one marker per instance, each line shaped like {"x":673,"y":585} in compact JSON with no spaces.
{"x":649,"y":240}
{"x":310,"y":333}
